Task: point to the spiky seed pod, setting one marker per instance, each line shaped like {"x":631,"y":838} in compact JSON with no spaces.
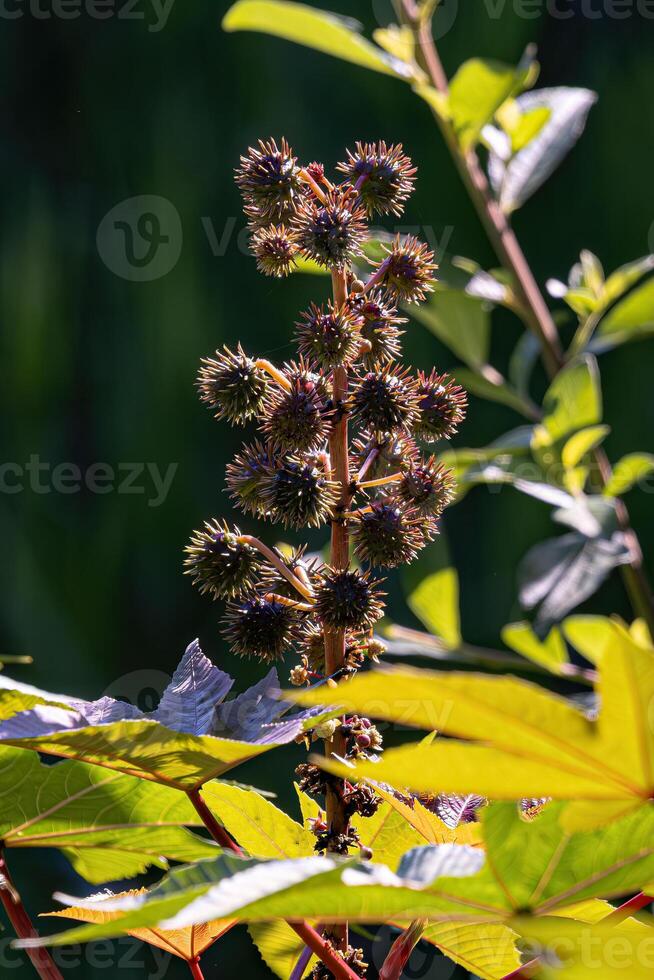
{"x":386,"y":399}
{"x":408,"y":269}
{"x":232,"y":385}
{"x":331,"y":233}
{"x":427,"y":487}
{"x":328,"y":337}
{"x":316,"y":171}
{"x":442,"y":405}
{"x":348,"y":599}
{"x":269,"y":181}
{"x":259,"y":627}
{"x":298,"y":420}
{"x":383,"y":174}
{"x":221,"y":564}
{"x":275,"y":250}
{"x":394,"y":451}
{"x":387,"y":535}
{"x":246,"y":477}
{"x":335,"y":843}
{"x":378,"y":325}
{"x":299,"y":494}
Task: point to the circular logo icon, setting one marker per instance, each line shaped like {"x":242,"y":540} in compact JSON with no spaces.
{"x":446,"y":14}
{"x":140,"y":239}
{"x":141,"y":688}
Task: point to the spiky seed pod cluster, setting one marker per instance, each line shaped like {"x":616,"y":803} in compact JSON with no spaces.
{"x":348,"y":600}
{"x":442,"y":404}
{"x":388,"y":534}
{"x":328,"y":336}
{"x":383,"y":174}
{"x":232,"y":385}
{"x":408,"y":269}
{"x":331,"y":232}
{"x":386,"y":399}
{"x":379,"y":324}
{"x":292,"y":474}
{"x":298,"y":494}
{"x":269,"y":180}
{"x":260,"y":627}
{"x":427,"y":487}
{"x":275,"y":250}
{"x":297,"y":419}
{"x":247,"y":476}
{"x":220,"y":563}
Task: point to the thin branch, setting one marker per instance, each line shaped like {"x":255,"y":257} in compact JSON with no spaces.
{"x":635,"y":904}
{"x":217,"y":831}
{"x":274,"y":373}
{"x":282,"y":600}
{"x":370,"y":459}
{"x":382,"y":481}
{"x":22,"y":924}
{"x":324,"y":951}
{"x":305,"y":590}
{"x":400,"y":952}
{"x":317,"y":190}
{"x":303,"y":961}
{"x":534,"y":308}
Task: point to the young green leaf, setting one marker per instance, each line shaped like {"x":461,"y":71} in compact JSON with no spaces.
{"x":630,"y":319}
{"x":436,"y":604}
{"x":572,"y":402}
{"x":477,"y":91}
{"x":550,"y":652}
{"x":628,"y":472}
{"x":317,"y":29}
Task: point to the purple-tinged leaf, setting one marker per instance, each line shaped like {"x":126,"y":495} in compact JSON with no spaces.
{"x":189,"y":701}
{"x":455,"y":810}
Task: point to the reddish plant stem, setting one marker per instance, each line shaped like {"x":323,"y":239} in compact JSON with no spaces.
{"x":218,"y":832}
{"x":531,"y":305}
{"x":22,"y":924}
{"x":309,"y":936}
{"x":194,"y":967}
{"x":635,"y":904}
{"x":400,"y":952}
{"x":324,"y":951}
{"x":337,"y":820}
{"x":523,"y":972}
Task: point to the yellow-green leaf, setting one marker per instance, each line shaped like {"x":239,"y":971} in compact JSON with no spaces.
{"x":550,"y":652}
{"x":436,"y":604}
{"x":260,"y":827}
{"x":628,"y":472}
{"x":317,"y":29}
{"x":582,"y":443}
{"x":477,"y":91}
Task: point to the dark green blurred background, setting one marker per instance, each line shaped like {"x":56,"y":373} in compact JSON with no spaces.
{"x":98,"y":369}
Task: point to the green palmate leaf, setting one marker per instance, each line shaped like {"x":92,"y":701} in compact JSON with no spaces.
{"x":477,"y":91}
{"x":108,"y":825}
{"x":280,"y":947}
{"x":572,"y":402}
{"x":485,"y":950}
{"x":460,"y":321}
{"x":516,"y":176}
{"x":550,"y":652}
{"x":258,"y":825}
{"x":388,"y":835}
{"x":586,"y":952}
{"x":522,"y":741}
{"x":436,"y":604}
{"x":323,"y":888}
{"x":581,"y":443}
{"x":630,"y":319}
{"x":628,"y":472}
{"x":317,"y":29}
